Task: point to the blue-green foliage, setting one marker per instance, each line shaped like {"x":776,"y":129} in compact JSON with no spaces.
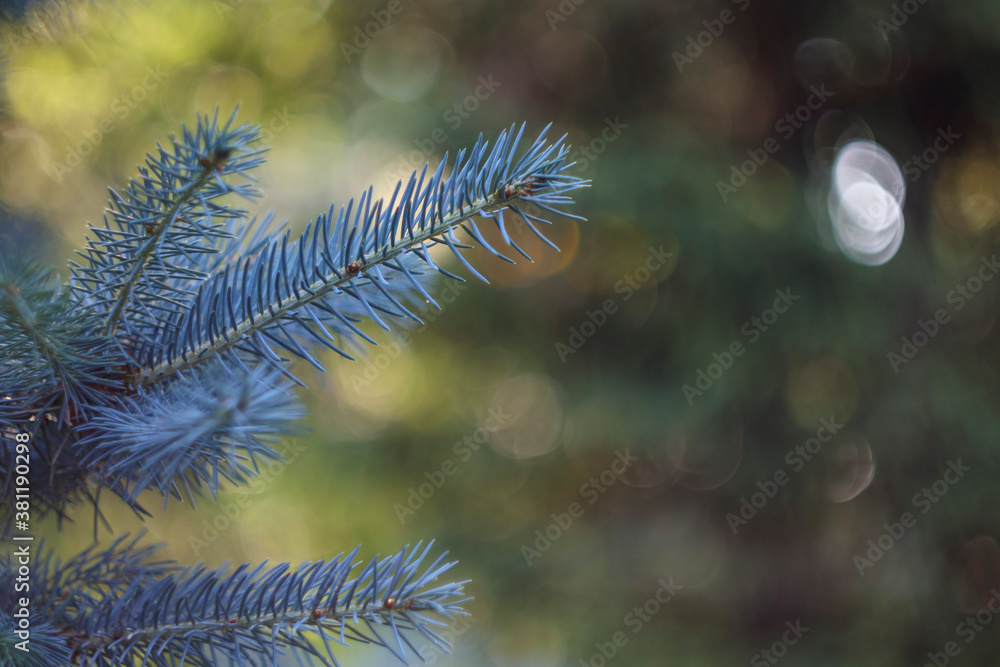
{"x":120,"y":606}
{"x":164,"y":365}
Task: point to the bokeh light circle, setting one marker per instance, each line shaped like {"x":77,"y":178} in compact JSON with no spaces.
{"x":403,"y":62}
{"x":865,"y":203}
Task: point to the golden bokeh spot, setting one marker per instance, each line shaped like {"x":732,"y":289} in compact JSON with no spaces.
{"x":294,"y":41}
{"x":967,"y":196}
{"x":766,"y":200}
{"x":47,"y":88}
{"x":228,"y":86}
{"x":612,"y":248}
{"x":562,"y":232}
{"x":979,"y":194}
{"x":535,"y":423}
{"x":820,"y":389}
{"x":167,"y":33}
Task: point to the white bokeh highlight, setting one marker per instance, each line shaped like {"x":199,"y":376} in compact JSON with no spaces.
{"x":865,"y":203}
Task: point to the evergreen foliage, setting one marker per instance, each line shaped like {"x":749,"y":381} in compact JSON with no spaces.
{"x":165,"y":365}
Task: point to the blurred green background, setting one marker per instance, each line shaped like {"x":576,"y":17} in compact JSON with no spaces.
{"x":663,"y":99}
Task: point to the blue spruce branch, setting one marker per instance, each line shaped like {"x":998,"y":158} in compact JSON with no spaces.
{"x":178,"y":439}
{"x":121,"y":607}
{"x":365,"y":256}
{"x":52,"y":360}
{"x":136,"y":268}
{"x":165,"y":365}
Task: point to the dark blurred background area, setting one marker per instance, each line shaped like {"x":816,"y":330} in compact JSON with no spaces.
{"x":748,"y":414}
